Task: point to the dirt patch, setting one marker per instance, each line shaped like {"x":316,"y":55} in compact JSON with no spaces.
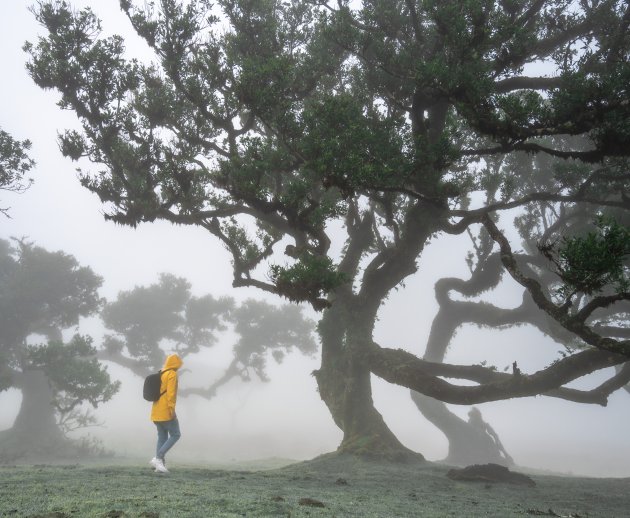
{"x":311,"y":502}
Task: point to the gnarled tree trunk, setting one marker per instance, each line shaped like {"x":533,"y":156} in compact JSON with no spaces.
{"x":35,"y":434}
{"x":344,"y":383}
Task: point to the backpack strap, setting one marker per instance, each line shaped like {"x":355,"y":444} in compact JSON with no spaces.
{"x":162,"y":372}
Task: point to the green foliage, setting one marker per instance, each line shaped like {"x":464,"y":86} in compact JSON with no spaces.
{"x":580,"y":100}
{"x":309,"y":279}
{"x":289,"y":112}
{"x":351,"y":149}
{"x":596,"y":261}
{"x":74,"y":372}
{"x":14,"y":164}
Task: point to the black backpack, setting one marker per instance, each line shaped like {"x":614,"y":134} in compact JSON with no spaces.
{"x":152,"y":384}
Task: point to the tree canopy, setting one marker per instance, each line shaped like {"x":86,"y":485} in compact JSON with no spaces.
{"x":270,"y":124}
{"x":42,"y":293}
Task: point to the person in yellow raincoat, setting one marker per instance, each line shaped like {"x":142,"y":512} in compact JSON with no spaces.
{"x":163,"y":412}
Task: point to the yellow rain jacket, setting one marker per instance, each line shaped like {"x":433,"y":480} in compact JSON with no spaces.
{"x":164,"y":408}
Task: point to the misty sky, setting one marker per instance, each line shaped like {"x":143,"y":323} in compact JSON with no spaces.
{"x":284,"y":418}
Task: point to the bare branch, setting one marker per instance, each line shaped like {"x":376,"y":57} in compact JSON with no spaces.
{"x":598,"y":395}
{"x":405,"y":369}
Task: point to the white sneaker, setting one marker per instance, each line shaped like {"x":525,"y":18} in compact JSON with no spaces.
{"x":159,"y":466}
{"x":153,"y":462}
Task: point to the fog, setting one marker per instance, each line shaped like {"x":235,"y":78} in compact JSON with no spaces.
{"x":284,"y":417}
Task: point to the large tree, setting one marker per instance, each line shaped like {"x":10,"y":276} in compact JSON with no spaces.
{"x":147,"y":321}
{"x":42,"y":294}
{"x":277,"y":127}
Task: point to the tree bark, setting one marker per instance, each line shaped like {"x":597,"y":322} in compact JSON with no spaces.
{"x":344,"y":382}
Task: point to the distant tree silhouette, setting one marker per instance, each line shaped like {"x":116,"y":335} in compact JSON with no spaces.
{"x":148,"y":321}
{"x":43,"y":293}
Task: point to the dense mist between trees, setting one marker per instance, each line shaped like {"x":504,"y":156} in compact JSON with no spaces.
{"x":243,"y":400}
{"x":285,"y":418}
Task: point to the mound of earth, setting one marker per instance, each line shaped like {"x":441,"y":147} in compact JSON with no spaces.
{"x":336,"y":462}
{"x":490,"y":473}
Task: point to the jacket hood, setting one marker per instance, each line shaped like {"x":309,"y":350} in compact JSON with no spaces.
{"x":173,"y":361}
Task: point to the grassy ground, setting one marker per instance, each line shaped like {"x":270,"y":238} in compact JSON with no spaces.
{"x":344,"y":487}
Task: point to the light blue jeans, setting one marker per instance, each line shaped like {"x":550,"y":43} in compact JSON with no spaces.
{"x":168,"y":434}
